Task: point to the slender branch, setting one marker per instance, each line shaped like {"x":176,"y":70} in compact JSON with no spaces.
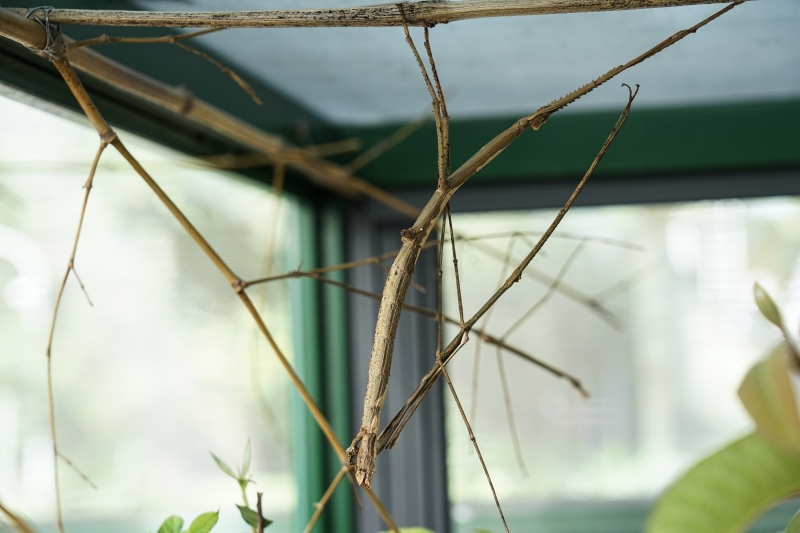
{"x":77,"y":470}
{"x":384,"y":145}
{"x":18,"y":523}
{"x":260,"y":522}
{"x":417,"y":13}
{"x":105,"y":136}
{"x":320,"y":506}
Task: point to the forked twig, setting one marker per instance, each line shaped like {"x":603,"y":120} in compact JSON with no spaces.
{"x":174,"y":40}
{"x":77,"y":470}
{"x":104,"y":140}
{"x":320,"y":506}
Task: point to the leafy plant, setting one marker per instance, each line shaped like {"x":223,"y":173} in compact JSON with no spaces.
{"x":206,"y":521}
{"x":728,"y":490}
{"x":202,"y":524}
{"x":241,"y":476}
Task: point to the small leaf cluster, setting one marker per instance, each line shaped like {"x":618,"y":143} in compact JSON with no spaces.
{"x":202,"y":524}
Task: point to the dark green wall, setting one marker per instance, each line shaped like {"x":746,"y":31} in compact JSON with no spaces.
{"x":734,"y":137}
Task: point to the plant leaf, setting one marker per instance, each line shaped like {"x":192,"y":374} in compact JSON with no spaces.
{"x":769,"y":397}
{"x":204,"y":522}
{"x":173,"y":524}
{"x":794,"y":524}
{"x":767,"y":306}
{"x":726,"y":491}
{"x":245,"y":460}
{"x":225,"y":468}
{"x":251,"y":517}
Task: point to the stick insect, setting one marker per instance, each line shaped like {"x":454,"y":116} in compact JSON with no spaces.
{"x":367,"y":444}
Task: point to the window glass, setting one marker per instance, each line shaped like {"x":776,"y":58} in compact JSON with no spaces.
{"x":654,"y":315}
{"x":165,"y":365}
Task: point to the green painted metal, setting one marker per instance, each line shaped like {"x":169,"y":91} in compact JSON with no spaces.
{"x":733,"y":137}
{"x":308,"y":447}
{"x":339,"y":515}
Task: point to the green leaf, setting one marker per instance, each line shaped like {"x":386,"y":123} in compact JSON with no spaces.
{"x":794,"y":524}
{"x":251,"y":517}
{"x":769,"y":397}
{"x":245,"y":460}
{"x":173,"y":524}
{"x":225,"y":468}
{"x":767,"y":306}
{"x":204,"y":522}
{"x":728,"y":490}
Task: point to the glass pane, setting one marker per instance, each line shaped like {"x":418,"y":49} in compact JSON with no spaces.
{"x":654,"y":315}
{"x":165,"y":365}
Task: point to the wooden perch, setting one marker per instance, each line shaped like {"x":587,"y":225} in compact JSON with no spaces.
{"x":417,"y":14}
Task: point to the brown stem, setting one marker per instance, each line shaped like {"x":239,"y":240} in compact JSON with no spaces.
{"x":59,"y":294}
{"x":16,"y":521}
{"x":320,"y":506}
{"x":102,"y":127}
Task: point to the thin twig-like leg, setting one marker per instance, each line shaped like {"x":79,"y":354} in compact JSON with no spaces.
{"x":48,"y":352}
{"x":174,"y":40}
{"x":512,"y":425}
{"x":391,"y":432}
{"x":550,"y":291}
{"x":450,"y":382}
{"x":477,"y":361}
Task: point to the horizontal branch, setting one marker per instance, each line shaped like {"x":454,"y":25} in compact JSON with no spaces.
{"x":424,"y":13}
{"x":319,"y":171}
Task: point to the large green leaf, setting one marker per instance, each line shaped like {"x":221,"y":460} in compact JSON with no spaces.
{"x":173,"y":524}
{"x":769,"y":397}
{"x":794,"y":524}
{"x":726,"y":491}
{"x":251,"y":517}
{"x":204,"y":522}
